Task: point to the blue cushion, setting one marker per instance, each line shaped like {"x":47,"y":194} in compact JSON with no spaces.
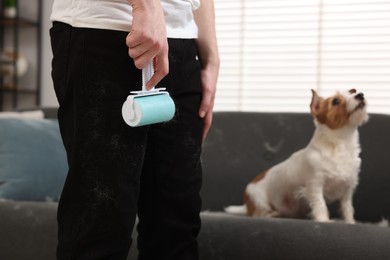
{"x":32,"y":159}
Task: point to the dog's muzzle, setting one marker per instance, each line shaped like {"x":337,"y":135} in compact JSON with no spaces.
{"x":360,"y":98}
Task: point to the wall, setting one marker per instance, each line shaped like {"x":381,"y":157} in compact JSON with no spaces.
{"x":47,"y":96}
{"x":27,"y":44}
{"x":27,"y":47}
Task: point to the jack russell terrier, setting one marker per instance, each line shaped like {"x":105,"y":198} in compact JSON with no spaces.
{"x":323,"y":172}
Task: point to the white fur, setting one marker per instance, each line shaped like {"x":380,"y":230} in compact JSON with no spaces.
{"x":324,"y":171}
{"x":238,"y":210}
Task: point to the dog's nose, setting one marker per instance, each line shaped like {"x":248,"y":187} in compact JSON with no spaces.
{"x":360,"y":96}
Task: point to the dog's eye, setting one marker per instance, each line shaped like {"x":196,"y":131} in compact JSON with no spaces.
{"x":335,"y":101}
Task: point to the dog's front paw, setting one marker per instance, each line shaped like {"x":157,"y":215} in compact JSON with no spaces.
{"x":324,"y":220}
{"x":320,"y":215}
{"x":350,"y":221}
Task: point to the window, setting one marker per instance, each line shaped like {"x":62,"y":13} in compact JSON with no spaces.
{"x":274,"y":51}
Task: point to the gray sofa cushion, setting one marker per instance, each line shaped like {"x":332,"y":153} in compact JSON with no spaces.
{"x":225,"y":237}
{"x":28,"y":230}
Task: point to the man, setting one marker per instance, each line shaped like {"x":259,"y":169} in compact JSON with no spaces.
{"x":115,"y":171}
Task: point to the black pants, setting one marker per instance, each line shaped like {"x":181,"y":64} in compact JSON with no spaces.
{"x":116,"y":171}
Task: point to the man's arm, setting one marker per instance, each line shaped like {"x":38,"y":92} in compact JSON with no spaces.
{"x":209,"y":56}
{"x":147,"y":40}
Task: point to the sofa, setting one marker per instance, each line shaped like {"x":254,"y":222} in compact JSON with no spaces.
{"x":239,"y":146}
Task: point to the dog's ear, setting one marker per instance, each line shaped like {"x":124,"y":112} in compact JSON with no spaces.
{"x":315,"y":102}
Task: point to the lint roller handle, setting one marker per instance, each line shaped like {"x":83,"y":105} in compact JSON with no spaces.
{"x":147,"y":74}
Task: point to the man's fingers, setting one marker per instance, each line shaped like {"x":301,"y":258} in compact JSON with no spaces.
{"x":206,"y":103}
{"x":161,"y":66}
{"x":138,"y":51}
{"x":206,"y":111}
{"x":143,"y":49}
{"x":142,"y":61}
{"x":207,"y":123}
{"x":204,"y":106}
{"x":154,"y":80}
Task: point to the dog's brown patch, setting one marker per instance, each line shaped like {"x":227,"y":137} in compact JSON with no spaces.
{"x":287,"y":201}
{"x":331,"y":112}
{"x":259,"y":177}
{"x":250,"y":206}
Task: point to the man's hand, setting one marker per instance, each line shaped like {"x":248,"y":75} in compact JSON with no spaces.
{"x":209,"y":57}
{"x":209,"y":77}
{"x":147,"y":40}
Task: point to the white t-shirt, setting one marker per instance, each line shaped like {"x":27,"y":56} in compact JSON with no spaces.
{"x":116,"y":15}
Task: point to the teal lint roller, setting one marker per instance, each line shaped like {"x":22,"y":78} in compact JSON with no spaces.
{"x":147,"y":107}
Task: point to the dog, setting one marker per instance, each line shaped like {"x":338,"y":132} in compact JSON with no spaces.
{"x":325,"y":171}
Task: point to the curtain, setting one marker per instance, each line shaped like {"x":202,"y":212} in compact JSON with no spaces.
{"x":273,"y":52}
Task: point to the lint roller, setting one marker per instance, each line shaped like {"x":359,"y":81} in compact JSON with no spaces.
{"x":147,"y":107}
